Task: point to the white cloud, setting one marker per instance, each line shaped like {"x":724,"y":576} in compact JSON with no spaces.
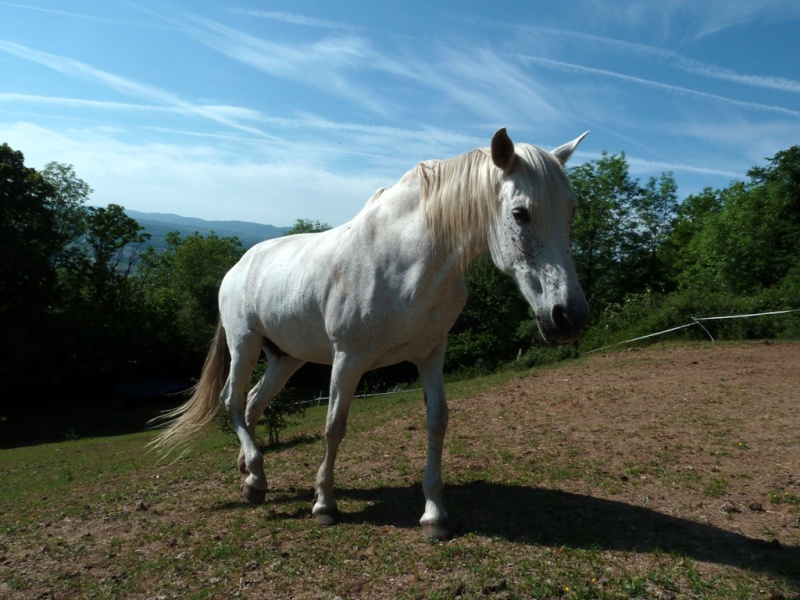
{"x":570,"y":67}
{"x":124,"y":107}
{"x":128,"y":87}
{"x":752,"y":142}
{"x":684,"y":19}
{"x":197,"y":180}
{"x":293,"y":19}
{"x":661,"y":56}
{"x":328,"y":64}
{"x":643,"y":165}
{"x":83,"y":16}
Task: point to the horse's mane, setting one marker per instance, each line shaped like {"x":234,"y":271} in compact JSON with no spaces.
{"x":455,"y":196}
{"x":458,"y":194}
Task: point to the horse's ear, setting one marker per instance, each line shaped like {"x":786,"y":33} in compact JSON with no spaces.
{"x":562,"y":153}
{"x":503,"y":150}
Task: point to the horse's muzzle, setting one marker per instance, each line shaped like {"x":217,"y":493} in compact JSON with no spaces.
{"x":567,"y":322}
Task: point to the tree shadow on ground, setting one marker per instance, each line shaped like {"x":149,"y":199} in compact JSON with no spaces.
{"x":561,"y":519}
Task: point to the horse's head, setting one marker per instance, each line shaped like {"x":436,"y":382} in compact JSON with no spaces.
{"x":530,"y":240}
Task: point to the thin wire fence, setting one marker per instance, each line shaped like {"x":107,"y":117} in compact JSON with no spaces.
{"x":319,"y":400}
{"x":695,"y":321}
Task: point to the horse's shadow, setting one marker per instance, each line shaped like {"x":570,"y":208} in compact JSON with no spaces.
{"x":561,"y":519}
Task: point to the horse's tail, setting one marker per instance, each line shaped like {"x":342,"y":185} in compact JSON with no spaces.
{"x":199,"y":411}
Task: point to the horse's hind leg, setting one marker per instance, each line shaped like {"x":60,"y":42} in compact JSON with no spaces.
{"x":245,"y":351}
{"x":434,"y":521}
{"x":344,"y":380}
{"x":279,"y":370}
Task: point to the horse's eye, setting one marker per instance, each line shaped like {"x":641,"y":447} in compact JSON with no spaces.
{"x":521,"y":214}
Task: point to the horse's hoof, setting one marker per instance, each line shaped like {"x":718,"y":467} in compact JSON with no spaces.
{"x":327,"y":519}
{"x":436,"y":531}
{"x":254,"y":495}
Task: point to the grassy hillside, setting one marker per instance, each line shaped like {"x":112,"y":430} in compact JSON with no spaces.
{"x":665,"y":472}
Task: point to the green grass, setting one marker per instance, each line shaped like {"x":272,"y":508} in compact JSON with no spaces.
{"x":784,"y":497}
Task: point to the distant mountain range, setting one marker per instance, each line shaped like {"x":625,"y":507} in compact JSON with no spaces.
{"x":159,"y":224}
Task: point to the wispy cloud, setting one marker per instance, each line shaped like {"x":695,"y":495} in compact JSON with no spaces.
{"x":713,"y":16}
{"x":83,"y":16}
{"x":200,"y":179}
{"x":79,"y":70}
{"x":684,"y":19}
{"x":128,"y":87}
{"x":571,"y":67}
{"x":499,"y":85}
{"x":711,"y":71}
{"x":328,"y":64}
{"x":665,"y":57}
{"x":658,"y":166}
{"x":372,"y":137}
{"x":293,"y":19}
{"x":31,"y":99}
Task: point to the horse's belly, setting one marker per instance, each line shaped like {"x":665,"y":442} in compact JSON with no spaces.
{"x":301,"y":334}
{"x":404,"y":333}
{"x":415,"y":349}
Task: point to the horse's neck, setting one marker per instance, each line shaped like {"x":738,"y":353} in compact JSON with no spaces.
{"x":394,"y":224}
{"x":453,"y":204}
{"x":448,"y":257}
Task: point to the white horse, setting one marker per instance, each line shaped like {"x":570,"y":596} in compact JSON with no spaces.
{"x":387,"y":287}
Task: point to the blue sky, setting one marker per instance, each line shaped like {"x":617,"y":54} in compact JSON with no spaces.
{"x":271,"y":111}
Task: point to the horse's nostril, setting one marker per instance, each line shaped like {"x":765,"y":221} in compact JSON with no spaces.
{"x":561,"y":318}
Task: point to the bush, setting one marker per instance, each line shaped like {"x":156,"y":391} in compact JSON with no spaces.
{"x":644,"y":314}
{"x":542,"y":354}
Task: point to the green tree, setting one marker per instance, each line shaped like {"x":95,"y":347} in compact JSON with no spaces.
{"x":605,"y":240}
{"x":488,"y":330}
{"x":114,"y":242}
{"x":183,"y":285}
{"x":67,"y":207}
{"x":28,"y":280}
{"x":655,"y":208}
{"x":104,"y":310}
{"x":679,"y":250}
{"x":307,"y":226}
{"x":27,"y":235}
{"x":745,"y":237}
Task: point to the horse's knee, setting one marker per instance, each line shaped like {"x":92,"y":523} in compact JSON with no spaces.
{"x":252,"y":414}
{"x":335,"y":430}
{"x":233,"y":408}
{"x":437,"y":423}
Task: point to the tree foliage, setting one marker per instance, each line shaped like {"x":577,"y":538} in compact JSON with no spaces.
{"x":28,"y":280}
{"x":307,"y":226}
{"x":745,"y":237}
{"x":488,"y":331}
{"x":604,"y":230}
{"x":729,"y":251}
{"x":183,"y":285}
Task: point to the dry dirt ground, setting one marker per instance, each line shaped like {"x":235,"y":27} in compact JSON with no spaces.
{"x":669,"y":422}
{"x":627,"y":458}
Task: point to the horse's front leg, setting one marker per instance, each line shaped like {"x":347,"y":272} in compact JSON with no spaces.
{"x":434,"y":521}
{"x":344,"y":380}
